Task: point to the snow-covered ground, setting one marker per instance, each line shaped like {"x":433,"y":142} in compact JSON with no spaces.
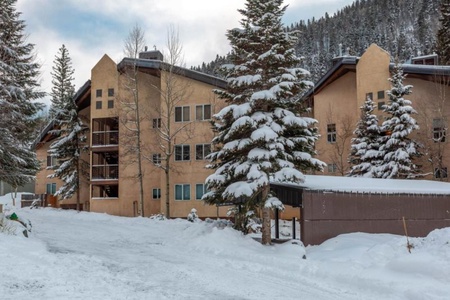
{"x":72,"y":255}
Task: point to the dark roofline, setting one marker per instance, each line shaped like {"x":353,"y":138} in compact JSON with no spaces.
{"x":43,"y":133}
{"x":81,"y":91}
{"x":423,"y":69}
{"x":159,"y":65}
{"x":343,"y":61}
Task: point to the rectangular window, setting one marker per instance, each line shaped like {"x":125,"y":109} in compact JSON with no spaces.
{"x":439,"y":131}
{"x":200,"y":190}
{"x":182,"y":192}
{"x":331,"y":133}
{"x":381,"y":105}
{"x":182,"y":152}
{"x":98,"y":93}
{"x":202,"y":150}
{"x":98,"y":105}
{"x":182,"y":114}
{"x":110,"y":103}
{"x":110,"y":92}
{"x":156,"y":193}
{"x":51,"y":188}
{"x":369,"y":95}
{"x":51,"y":161}
{"x":440,"y":173}
{"x":332,"y":168}
{"x":157,"y":123}
{"x":380,"y":94}
{"x":203,"y":112}
{"x":156,"y":158}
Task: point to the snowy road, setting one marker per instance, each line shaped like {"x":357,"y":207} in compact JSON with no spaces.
{"x":94,"y":256}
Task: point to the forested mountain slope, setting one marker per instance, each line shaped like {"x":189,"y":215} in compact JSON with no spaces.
{"x":404,"y":28}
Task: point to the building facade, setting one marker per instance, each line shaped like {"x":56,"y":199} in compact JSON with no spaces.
{"x":175,"y":105}
{"x":339,"y":94}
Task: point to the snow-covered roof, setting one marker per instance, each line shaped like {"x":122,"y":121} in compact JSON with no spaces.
{"x":373,"y":185}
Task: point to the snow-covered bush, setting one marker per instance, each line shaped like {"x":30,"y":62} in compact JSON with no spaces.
{"x":159,"y":217}
{"x":219,"y":223}
{"x":192,"y":216}
{"x":6,"y":226}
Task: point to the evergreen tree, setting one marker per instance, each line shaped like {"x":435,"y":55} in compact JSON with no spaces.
{"x":443,"y":36}
{"x":398,"y":148}
{"x":261,"y":136}
{"x":66,"y":148}
{"x":365,"y":154}
{"x":18,"y":90}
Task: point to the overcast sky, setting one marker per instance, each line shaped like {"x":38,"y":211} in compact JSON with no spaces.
{"x":91,"y":28}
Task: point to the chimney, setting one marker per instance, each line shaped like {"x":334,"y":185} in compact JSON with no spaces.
{"x":153,"y":54}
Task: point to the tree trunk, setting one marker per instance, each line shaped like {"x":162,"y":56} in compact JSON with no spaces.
{"x":266,"y":232}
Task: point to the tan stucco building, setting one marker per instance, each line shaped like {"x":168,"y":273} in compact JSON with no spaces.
{"x":339,"y":94}
{"x":106,"y":102}
{"x":111,"y":185}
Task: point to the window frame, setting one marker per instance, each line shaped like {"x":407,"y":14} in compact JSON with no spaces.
{"x":186,"y":187}
{"x":110,"y":104}
{"x":52,"y":160}
{"x":98,"y":104}
{"x":204,"y":190}
{"x":52,"y":188}
{"x":381,"y":104}
{"x":156,"y":158}
{"x":439,"y":131}
{"x":369,"y":95}
{"x":184,"y":111}
{"x":331,"y":133}
{"x":157,"y":195}
{"x":381,"y":95}
{"x":185,"y":155}
{"x":332,"y":168}
{"x":98,"y":93}
{"x":110,"y":92}
{"x":203,"y":152}
{"x":156,"y":122}
{"x":202,"y":114}
{"x":441,"y":173}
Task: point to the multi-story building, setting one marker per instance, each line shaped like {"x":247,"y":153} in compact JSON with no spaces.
{"x":185,"y":105}
{"x":104,"y":104}
{"x":339,"y":94}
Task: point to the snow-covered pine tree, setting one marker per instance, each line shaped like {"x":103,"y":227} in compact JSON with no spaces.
{"x":261,"y":134}
{"x":398,"y":148}
{"x":70,"y":131}
{"x":365,"y":152}
{"x":443,"y":36}
{"x":18,"y":90}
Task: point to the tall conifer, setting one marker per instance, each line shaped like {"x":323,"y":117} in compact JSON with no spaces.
{"x":443,"y":36}
{"x":261,"y":134}
{"x":397,"y":146}
{"x":66,"y":148}
{"x":18,"y":90}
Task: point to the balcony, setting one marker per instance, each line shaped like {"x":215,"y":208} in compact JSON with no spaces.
{"x":105,"y":138}
{"x":105,"y":172}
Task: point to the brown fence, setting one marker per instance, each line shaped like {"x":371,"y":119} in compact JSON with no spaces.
{"x":328,"y":214}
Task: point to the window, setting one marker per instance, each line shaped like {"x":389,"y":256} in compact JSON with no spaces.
{"x":182,"y":114}
{"x":98,"y":104}
{"x":110,"y":103}
{"x":156,"y":193}
{"x":203,"y":112}
{"x":51,"y":188}
{"x":51,"y":161}
{"x":110,"y":92}
{"x":369,"y":95}
{"x":182,"y":152}
{"x":381,"y":105}
{"x":98,"y":93}
{"x":331,"y":133}
{"x":157,"y":123}
{"x":202,"y":150}
{"x":439,"y":131}
{"x":440,"y":172}
{"x":182,"y":192}
{"x":200,"y":190}
{"x":380,"y":94}
{"x":156,"y":158}
{"x":332,"y":168}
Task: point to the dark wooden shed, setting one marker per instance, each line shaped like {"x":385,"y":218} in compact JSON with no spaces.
{"x":330,"y":206}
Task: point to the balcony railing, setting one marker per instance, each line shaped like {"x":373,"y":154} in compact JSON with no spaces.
{"x":105,"y":138}
{"x":105,"y":172}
